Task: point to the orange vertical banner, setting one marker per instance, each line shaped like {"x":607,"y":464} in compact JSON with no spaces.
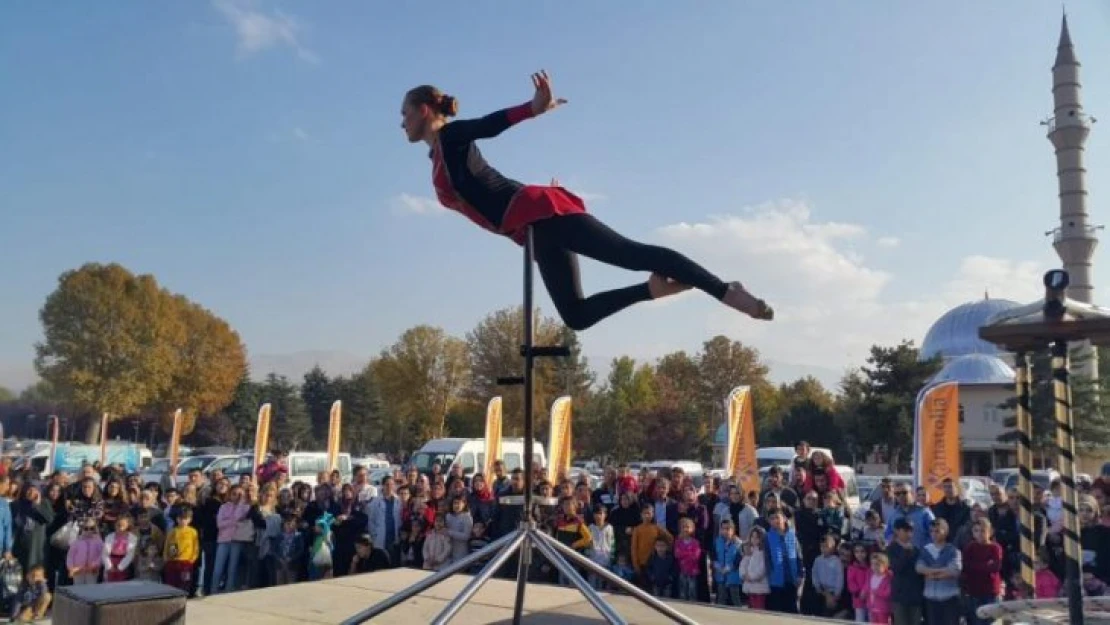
{"x":740,"y":462}
{"x":493,"y":436}
{"x":175,"y":444}
{"x":261,"y":438}
{"x":559,"y":441}
{"x":334,"y":429}
{"x":937,"y":437}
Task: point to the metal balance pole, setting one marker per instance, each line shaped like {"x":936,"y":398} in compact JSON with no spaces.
{"x":527,"y":536}
{"x":1056,"y":321}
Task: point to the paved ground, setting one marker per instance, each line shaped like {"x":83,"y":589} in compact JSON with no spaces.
{"x":334,"y":600}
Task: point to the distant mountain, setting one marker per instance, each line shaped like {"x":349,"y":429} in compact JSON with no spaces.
{"x":294,"y":365}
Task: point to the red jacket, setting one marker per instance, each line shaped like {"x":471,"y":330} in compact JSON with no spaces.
{"x":982,"y":566}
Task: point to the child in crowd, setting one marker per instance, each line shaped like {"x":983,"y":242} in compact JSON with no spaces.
{"x":727,"y":554}
{"x":119,"y":551}
{"x":86,"y":554}
{"x":828,"y":574}
{"x":661,"y":569}
{"x":182,"y":551}
{"x":459,"y":525}
{"x":687,"y":554}
{"x":623,"y":568}
{"x":437,"y":546}
{"x":753,"y":569}
{"x":644,"y":538}
{"x":602,"y":546}
{"x":859,"y":577}
{"x":149,"y":565}
{"x":33,"y":599}
{"x":478,"y":542}
{"x":876,"y":593}
{"x":289,"y":550}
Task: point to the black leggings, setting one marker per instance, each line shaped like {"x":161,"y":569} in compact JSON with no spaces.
{"x":559,"y":240}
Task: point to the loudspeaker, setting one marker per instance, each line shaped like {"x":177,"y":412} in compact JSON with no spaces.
{"x":119,"y":603}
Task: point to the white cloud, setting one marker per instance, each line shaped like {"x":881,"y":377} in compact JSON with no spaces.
{"x":301,"y":134}
{"x":417,"y":204}
{"x":831,"y":304}
{"x":888,"y":242}
{"x":257,"y":31}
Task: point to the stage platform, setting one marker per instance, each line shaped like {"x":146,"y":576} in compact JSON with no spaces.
{"x":331,"y":601}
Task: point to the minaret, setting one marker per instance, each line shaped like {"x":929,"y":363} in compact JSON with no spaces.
{"x":1075,"y":240}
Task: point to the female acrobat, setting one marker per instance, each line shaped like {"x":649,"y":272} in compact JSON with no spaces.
{"x":562,"y":229}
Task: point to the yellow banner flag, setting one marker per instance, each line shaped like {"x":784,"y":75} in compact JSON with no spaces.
{"x":937,"y":437}
{"x":261,"y":437}
{"x":334,"y":429}
{"x":740,"y":462}
{"x":493,"y":437}
{"x":175,"y":444}
{"x":559,"y":443}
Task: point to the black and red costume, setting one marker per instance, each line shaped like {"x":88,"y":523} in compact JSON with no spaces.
{"x":561,"y":226}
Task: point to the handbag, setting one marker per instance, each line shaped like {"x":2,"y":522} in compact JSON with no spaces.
{"x":322,"y":558}
{"x":65,"y":536}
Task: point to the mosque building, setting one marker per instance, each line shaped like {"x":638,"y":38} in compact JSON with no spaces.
{"x":985,"y":374}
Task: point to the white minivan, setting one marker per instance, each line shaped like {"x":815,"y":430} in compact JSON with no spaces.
{"x":470,"y":454}
{"x":305,"y":466}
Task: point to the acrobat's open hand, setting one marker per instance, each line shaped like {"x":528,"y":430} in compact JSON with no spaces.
{"x":543,"y":101}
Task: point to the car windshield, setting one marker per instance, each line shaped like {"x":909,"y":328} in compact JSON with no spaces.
{"x":190,"y":464}
{"x":424,"y":461}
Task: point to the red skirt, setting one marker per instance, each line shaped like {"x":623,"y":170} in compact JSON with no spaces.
{"x":534,"y":203}
{"x":178,"y":573}
{"x":115,"y":575}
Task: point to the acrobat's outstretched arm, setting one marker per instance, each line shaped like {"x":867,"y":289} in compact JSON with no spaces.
{"x":498,"y":122}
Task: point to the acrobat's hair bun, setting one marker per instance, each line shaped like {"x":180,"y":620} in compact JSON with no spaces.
{"x":449,"y":106}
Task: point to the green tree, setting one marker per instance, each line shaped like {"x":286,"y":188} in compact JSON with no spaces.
{"x":420,"y":378}
{"x":242,"y":411}
{"x":209,"y":361}
{"x":6,"y":395}
{"x":615,"y":428}
{"x":678,"y":414}
{"x":290,"y":427}
{"x":892,"y":379}
{"x":493,"y":347}
{"x":319,"y":393}
{"x":847,"y":411}
{"x":109,"y":341}
{"x":41,"y":392}
{"x":362,"y":405}
{"x":724,"y":364}
{"x":1088,"y":399}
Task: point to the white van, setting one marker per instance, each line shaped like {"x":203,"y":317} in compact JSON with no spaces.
{"x":470,"y":454}
{"x":305,"y":466}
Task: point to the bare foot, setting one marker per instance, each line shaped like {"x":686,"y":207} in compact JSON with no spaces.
{"x":659,"y":286}
{"x":738,"y":297}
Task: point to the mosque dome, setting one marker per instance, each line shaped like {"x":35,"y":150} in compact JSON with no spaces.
{"x":976,"y":369}
{"x":956,"y":333}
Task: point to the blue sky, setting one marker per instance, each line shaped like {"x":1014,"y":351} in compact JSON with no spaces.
{"x":864,"y":165}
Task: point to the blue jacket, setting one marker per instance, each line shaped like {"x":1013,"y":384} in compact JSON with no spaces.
{"x":947,"y":557}
{"x":7,"y":539}
{"x":784,"y":560}
{"x":727,"y":554}
{"x":920,"y":517}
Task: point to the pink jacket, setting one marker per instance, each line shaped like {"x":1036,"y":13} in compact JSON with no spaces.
{"x":859,"y":576}
{"x":687,"y":552}
{"x":1048,"y":585}
{"x":85,"y":553}
{"x":227,"y":519}
{"x":878,"y":601}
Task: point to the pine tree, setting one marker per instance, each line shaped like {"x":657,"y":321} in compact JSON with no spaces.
{"x":318,"y":394}
{"x":290,"y":427}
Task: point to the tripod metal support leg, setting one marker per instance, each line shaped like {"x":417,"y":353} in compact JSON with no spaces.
{"x":480,"y":579}
{"x":616,"y":580}
{"x":524,"y":566}
{"x":432,"y":580}
{"x":583,"y":586}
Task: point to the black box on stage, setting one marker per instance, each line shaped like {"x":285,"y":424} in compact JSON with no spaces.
{"x":119,"y":603}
